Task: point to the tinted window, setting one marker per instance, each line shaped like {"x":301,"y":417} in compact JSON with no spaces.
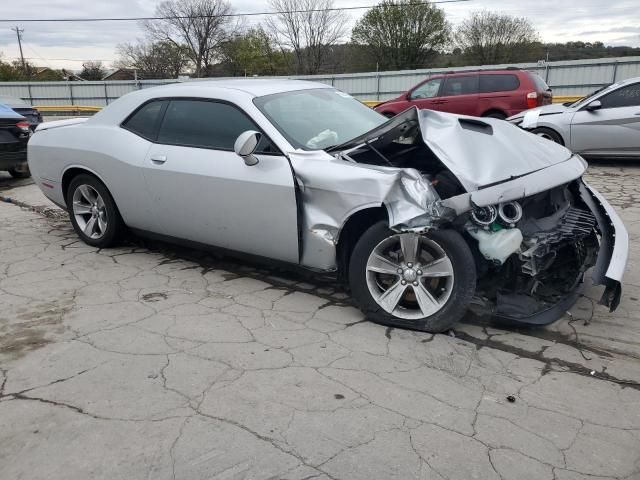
{"x":540,"y":84}
{"x":144,"y":121}
{"x":427,"y":90}
{"x":200,"y":123}
{"x":460,"y":86}
{"x":628,"y":96}
{"x":498,"y":83}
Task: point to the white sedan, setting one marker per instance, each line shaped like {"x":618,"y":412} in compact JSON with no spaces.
{"x":604,"y":124}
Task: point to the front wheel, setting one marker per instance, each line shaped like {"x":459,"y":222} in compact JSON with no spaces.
{"x":423,"y":282}
{"x":548,"y":134}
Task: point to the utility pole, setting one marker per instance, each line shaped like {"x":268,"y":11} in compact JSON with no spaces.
{"x":19,"y":32}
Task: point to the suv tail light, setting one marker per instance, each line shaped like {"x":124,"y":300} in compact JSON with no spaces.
{"x":24,"y":126}
{"x":532,"y":99}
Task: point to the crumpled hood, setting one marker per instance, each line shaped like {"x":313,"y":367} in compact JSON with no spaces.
{"x":486,"y":151}
{"x":478,"y":151}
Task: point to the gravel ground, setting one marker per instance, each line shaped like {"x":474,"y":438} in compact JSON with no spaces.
{"x":152,"y":361}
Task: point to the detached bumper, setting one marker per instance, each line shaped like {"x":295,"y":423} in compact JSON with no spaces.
{"x":614,"y":246}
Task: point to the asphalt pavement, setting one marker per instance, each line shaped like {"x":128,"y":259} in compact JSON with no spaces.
{"x":158,"y":362}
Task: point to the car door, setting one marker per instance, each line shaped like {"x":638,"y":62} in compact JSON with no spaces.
{"x":611,"y":130}
{"x":425,"y":95}
{"x":459,"y":94}
{"x":202,"y":191}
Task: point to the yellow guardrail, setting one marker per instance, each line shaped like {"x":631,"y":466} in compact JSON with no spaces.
{"x":556,"y":99}
{"x":67,"y":108}
{"x":79,"y":109}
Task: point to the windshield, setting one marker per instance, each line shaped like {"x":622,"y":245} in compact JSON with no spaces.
{"x":318,"y":119}
{"x":586,"y":98}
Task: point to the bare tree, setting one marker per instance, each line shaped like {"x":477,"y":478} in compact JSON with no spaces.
{"x":490,"y":38}
{"x":309,"y":28}
{"x":202,"y":25}
{"x":402,"y":33}
{"x":161,"y":59}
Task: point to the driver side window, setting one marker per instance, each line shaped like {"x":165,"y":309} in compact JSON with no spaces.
{"x":428,"y":89}
{"x":628,"y":96}
{"x":207,"y":124}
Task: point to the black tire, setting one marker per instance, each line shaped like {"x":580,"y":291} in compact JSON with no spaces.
{"x":548,"y":134}
{"x":24,"y":173}
{"x":455,"y":307}
{"x":115,"y":226}
{"x":498,"y":115}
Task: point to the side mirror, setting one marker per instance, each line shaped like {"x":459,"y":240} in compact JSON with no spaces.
{"x":246,"y":145}
{"x":595,"y":105}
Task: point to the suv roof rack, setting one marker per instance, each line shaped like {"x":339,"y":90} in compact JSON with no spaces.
{"x":478,"y":70}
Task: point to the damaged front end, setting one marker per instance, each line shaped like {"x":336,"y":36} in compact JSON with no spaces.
{"x":533,"y":226}
{"x":532,"y":254}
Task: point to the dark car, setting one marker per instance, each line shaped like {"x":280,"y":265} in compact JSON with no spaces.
{"x":31,"y":114}
{"x":486,"y":93}
{"x":15,"y":131}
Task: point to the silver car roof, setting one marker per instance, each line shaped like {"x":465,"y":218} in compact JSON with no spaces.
{"x":238,"y":91}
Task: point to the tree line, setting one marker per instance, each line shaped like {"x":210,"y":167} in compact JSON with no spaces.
{"x":202,"y":38}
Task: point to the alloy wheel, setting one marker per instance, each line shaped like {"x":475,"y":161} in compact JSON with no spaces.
{"x":410,"y":276}
{"x":89,"y":211}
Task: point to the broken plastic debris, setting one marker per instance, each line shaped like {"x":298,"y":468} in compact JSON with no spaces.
{"x":511,"y":399}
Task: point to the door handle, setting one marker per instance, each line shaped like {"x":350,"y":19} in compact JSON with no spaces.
{"x":159,"y":159}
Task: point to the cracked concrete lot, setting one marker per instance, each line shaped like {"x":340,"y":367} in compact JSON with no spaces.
{"x":150,"y":361}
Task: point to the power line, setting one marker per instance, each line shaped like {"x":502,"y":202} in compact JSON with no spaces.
{"x":249,"y":14}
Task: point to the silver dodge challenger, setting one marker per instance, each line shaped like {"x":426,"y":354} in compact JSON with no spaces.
{"x":423,"y":216}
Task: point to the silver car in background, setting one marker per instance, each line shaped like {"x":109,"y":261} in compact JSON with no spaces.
{"x":423,"y":216}
{"x":604,"y":124}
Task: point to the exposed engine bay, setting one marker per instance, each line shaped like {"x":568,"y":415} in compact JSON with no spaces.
{"x":530,"y":254}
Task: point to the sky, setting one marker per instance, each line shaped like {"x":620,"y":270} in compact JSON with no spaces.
{"x":67,"y":45}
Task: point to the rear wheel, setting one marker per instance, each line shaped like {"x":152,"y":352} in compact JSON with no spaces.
{"x":548,"y":134}
{"x":93,"y":212}
{"x":424,"y":282}
{"x":20,"y":172}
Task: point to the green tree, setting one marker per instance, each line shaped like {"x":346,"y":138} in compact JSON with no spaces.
{"x":253,"y":53}
{"x":93,"y":71}
{"x":403,"y":33}
{"x":488,"y":38}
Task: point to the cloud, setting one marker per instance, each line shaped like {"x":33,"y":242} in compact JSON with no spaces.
{"x":590,"y":20}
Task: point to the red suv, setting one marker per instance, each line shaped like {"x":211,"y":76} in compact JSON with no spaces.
{"x":486,"y":93}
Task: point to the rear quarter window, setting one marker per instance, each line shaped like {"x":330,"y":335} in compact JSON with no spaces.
{"x":144,"y":121}
{"x":540,"y":84}
{"x":499,"y":83}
